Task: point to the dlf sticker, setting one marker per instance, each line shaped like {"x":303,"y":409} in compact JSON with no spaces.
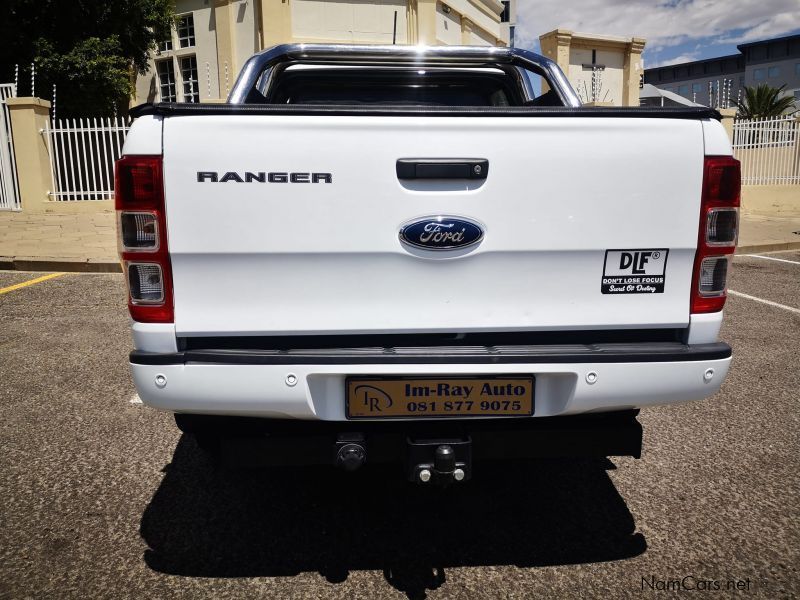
{"x":634,"y":271}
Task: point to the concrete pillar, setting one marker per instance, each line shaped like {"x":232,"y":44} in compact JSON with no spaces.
{"x":276,"y":22}
{"x":426,"y":22}
{"x":412,"y":22}
{"x":632,"y":72}
{"x":555,"y":46}
{"x":466,"y":31}
{"x":223,"y":26}
{"x":728,"y":116}
{"x":28,"y":118}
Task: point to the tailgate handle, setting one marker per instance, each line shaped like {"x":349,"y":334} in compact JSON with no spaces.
{"x":442,"y":168}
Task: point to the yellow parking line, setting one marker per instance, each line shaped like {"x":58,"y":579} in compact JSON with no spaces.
{"x":17,"y":286}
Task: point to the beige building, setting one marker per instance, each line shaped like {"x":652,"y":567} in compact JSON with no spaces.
{"x":212,"y":39}
{"x":603,"y":69}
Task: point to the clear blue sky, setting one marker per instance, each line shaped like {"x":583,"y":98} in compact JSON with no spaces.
{"x":676,"y":30}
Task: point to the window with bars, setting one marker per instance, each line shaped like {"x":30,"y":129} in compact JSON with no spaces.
{"x":166,"y":80}
{"x":185,"y":29}
{"x":191,"y":87}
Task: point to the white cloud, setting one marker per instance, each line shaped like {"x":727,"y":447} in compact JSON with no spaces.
{"x":665,"y":23}
{"x":683,"y":58}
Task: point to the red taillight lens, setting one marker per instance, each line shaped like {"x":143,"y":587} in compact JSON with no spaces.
{"x":142,"y":235}
{"x":719,"y":229}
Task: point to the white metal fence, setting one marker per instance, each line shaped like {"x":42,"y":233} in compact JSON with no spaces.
{"x":769,"y":150}
{"x":82,"y":154}
{"x":9,"y":185}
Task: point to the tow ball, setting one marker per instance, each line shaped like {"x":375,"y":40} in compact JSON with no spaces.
{"x":350,"y":452}
{"x":439,"y":461}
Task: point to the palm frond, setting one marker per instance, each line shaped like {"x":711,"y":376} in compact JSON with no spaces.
{"x":764,"y":101}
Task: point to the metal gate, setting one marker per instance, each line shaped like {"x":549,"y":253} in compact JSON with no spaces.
{"x":82,"y":154}
{"x":769,"y":149}
{"x":9,"y":186}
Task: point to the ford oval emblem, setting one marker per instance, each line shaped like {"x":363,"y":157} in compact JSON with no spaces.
{"x":441,"y":233}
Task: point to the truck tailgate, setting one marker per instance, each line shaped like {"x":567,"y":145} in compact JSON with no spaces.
{"x":261,"y":258}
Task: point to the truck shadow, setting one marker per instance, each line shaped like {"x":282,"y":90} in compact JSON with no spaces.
{"x":209,"y":522}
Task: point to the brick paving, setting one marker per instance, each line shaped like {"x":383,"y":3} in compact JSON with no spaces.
{"x":74,"y":242}
{"x":87,"y":241}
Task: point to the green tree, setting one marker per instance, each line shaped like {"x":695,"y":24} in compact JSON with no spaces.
{"x":91,"y":49}
{"x":764,"y":101}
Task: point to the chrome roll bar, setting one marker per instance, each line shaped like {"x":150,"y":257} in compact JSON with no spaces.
{"x":400,"y":55}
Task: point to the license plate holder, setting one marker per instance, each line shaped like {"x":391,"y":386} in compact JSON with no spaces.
{"x":410,"y":397}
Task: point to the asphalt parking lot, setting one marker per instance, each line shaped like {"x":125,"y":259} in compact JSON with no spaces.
{"x":102,"y":497}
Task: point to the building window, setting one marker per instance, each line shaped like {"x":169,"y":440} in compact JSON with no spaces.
{"x":186,"y":31}
{"x":759,"y":74}
{"x":505,"y":16}
{"x":797,"y":69}
{"x":191,"y":89}
{"x":697,"y":88}
{"x":166,"y":80}
{"x":165,"y":46}
{"x":774,"y":72}
{"x":683,"y":90}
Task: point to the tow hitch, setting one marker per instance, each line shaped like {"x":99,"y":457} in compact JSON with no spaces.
{"x":439,"y":461}
{"x":350,"y":451}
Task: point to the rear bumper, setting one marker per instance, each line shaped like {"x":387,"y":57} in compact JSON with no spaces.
{"x":257,"y":383}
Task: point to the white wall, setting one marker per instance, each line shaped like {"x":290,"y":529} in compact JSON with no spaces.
{"x":245,"y":32}
{"x":343,"y":21}
{"x":479,"y":17}
{"x":611,"y":79}
{"x":478,"y":37}
{"x":448,"y":27}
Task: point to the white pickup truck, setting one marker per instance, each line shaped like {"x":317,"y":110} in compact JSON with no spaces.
{"x":386,"y":253}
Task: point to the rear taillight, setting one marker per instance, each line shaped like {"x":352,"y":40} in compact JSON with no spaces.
{"x":719,"y":231}
{"x":142,"y":238}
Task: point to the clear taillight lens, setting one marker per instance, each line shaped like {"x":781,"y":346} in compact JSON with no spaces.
{"x":138,"y":231}
{"x":713,"y":276}
{"x":146,"y":283}
{"x":722,"y":226}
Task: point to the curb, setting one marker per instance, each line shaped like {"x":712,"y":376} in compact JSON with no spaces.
{"x":53,"y":264}
{"x":776,"y":247}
